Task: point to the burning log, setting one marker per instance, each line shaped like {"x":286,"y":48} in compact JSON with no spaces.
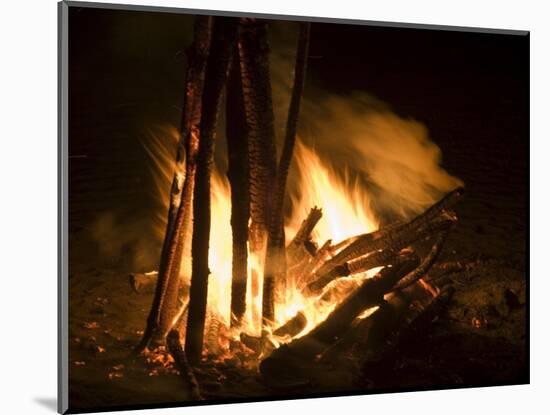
{"x":446,"y":203}
{"x":255,"y":76}
{"x":355,"y":247}
{"x":293,"y":326}
{"x":412,"y":302}
{"x":275,"y":263}
{"x":375,"y":259}
{"x":426,"y":263}
{"x":367,"y":336}
{"x":372,"y":342}
{"x":292,"y":120}
{"x":423,"y":317}
{"x":383,"y":237}
{"x":179,"y":213}
{"x":180,"y":359}
{"x":346,"y":242}
{"x":322,"y":255}
{"x":369,"y":294}
{"x":407,"y":317}
{"x":223,"y":39}
{"x":385,"y":241}
{"x":262,"y":344}
{"x":238,"y":174}
{"x":295,"y":251}
{"x":169,"y":308}
{"x":183,"y":231}
{"x":252,"y":342}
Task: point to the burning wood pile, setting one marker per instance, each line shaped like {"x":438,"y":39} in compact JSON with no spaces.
{"x":361,"y":293}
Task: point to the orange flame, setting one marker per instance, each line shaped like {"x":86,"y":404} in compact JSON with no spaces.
{"x":346,"y":213}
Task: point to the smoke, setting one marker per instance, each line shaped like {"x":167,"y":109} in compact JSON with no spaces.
{"x":130,"y":234}
{"x":124,"y":242}
{"x":395,"y":157}
{"x":361,"y":138}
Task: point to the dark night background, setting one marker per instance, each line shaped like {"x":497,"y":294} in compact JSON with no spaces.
{"x":127,"y":72}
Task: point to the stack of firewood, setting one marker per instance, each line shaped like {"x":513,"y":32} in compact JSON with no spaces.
{"x":402,"y":276}
{"x":228,"y":54}
{"x":232,"y":54}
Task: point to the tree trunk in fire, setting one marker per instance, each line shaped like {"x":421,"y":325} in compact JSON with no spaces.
{"x":254,"y":57}
{"x":223,"y":40}
{"x":238,"y":174}
{"x":178,"y":232}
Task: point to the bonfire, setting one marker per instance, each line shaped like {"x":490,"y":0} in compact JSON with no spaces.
{"x":247,"y":281}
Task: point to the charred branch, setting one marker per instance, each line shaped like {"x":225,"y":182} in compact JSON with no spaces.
{"x":367,"y":336}
{"x":181,"y":320}
{"x":293,"y":326}
{"x":406,"y":318}
{"x":275,"y":263}
{"x":252,"y":342}
{"x":255,"y":76}
{"x":426,"y":264}
{"x":356,"y":247}
{"x":346,"y":242}
{"x":179,"y":213}
{"x":323,"y":254}
{"x":238,"y":174}
{"x":190,"y":126}
{"x":375,"y":259}
{"x":292,"y":121}
{"x":223,"y":40}
{"x":382,"y":238}
{"x":169,"y":308}
{"x":371,"y":293}
{"x":386,"y":242}
{"x":185,"y":370}
{"x":296,"y":251}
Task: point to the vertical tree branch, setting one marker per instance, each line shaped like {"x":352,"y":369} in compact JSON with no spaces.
{"x":182,"y":185}
{"x":184,"y":231}
{"x":223,"y":40}
{"x":238,"y":174}
{"x":254,"y":57}
{"x":275,"y":266}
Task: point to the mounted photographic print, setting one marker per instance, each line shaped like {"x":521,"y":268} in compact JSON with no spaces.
{"x":259,"y":207}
